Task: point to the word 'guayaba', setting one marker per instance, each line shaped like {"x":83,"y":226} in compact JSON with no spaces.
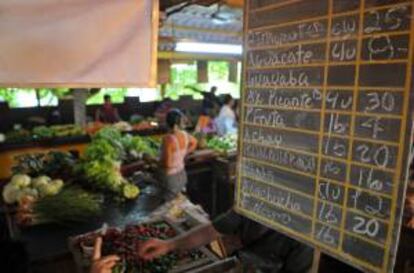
{"x":283,"y":79}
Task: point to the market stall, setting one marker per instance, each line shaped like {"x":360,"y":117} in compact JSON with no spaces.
{"x":115,"y":173}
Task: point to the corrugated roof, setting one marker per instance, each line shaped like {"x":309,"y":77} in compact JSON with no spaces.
{"x":215,"y":23}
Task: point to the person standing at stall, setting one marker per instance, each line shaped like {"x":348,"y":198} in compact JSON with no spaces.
{"x":176,"y":145}
{"x":226,"y":122}
{"x":107,"y":113}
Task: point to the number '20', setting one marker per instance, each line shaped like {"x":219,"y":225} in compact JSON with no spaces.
{"x":368,"y":227}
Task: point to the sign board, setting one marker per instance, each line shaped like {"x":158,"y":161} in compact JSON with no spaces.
{"x":78,"y":43}
{"x":326,"y":123}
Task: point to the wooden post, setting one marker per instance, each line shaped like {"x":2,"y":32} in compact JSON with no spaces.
{"x":79,"y":106}
{"x":164,"y":67}
{"x":316,"y":260}
{"x":233,"y":71}
{"x":163,"y":90}
{"x":202,"y":71}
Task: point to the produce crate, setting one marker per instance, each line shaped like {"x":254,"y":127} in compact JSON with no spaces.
{"x":229,"y":265}
{"x":184,"y":264}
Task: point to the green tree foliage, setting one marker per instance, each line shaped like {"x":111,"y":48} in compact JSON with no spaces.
{"x":183,"y":75}
{"x":42,"y":96}
{"x":7,"y":95}
{"x":218,"y":71}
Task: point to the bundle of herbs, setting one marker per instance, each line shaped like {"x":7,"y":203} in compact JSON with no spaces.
{"x":71,"y":205}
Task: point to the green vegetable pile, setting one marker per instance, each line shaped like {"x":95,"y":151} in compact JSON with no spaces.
{"x":42,"y":132}
{"x":101,"y":163}
{"x":18,"y":136}
{"x":71,"y":205}
{"x":224,"y":144}
{"x":136,"y":146}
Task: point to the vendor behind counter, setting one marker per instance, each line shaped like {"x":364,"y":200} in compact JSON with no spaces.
{"x":107,"y":113}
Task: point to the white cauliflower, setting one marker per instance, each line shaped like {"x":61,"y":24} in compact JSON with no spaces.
{"x":20,"y":181}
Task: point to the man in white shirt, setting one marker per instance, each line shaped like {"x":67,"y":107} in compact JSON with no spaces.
{"x":226,"y":120}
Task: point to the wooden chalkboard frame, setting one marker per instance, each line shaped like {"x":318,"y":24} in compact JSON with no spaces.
{"x":405,"y":138}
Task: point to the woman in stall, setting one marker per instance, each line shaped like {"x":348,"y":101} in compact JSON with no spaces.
{"x":176,"y":145}
{"x":205,"y":123}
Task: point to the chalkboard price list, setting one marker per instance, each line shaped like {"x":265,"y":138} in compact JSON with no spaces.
{"x":324,"y":122}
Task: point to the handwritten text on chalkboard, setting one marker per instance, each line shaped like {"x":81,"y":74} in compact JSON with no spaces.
{"x":325,"y":120}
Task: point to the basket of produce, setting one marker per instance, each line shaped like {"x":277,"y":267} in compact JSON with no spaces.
{"x":124,"y":243}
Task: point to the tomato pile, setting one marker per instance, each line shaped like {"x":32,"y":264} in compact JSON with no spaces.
{"x":125,"y":244}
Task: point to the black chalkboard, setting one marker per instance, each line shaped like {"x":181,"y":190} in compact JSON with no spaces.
{"x":326,"y":123}
{"x":343,"y":6}
{"x":288,"y":13}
